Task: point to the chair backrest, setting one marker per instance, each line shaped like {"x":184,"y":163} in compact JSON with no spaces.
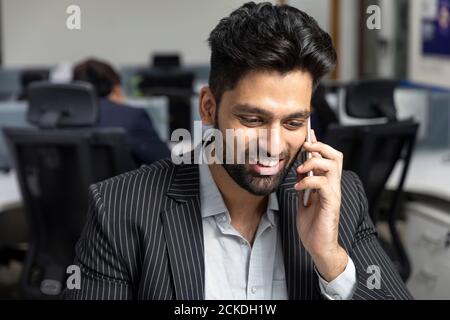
{"x":30,"y":76}
{"x":367,"y":102}
{"x":62,"y":105}
{"x":177,"y":85}
{"x":373,"y":151}
{"x":172,"y":82}
{"x":55,"y":168}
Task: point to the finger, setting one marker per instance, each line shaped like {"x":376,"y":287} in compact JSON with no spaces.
{"x":316,"y":155}
{"x":319,"y":183}
{"x":317,"y":173}
{"x":322,"y":167}
{"x":319,"y":164}
{"x":312,"y":199}
{"x":315,"y":182}
{"x":308,"y":155}
{"x":325,"y":150}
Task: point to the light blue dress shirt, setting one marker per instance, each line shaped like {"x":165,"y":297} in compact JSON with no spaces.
{"x":234,"y":270}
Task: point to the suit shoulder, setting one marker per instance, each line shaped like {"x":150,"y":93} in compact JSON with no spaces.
{"x":148,"y":181}
{"x":108,"y":108}
{"x":135,"y":112}
{"x":353,"y":199}
{"x":352,"y":185}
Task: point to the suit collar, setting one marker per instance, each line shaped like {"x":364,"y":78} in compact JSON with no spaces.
{"x":185,"y":181}
{"x":183,"y":233}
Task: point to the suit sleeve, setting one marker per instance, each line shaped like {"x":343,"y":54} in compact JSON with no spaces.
{"x":377,"y":277}
{"x":104,"y":275}
{"x":145,"y":143}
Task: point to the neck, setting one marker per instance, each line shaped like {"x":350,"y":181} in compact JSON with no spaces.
{"x":234,"y":196}
{"x":117,"y":97}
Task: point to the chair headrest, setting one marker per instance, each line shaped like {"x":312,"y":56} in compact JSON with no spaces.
{"x":370,"y":99}
{"x":53,"y":105}
{"x":174,"y":82}
{"x":167,"y":60}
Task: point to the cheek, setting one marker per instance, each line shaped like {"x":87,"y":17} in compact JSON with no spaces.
{"x":243,"y":138}
{"x":295,"y":140}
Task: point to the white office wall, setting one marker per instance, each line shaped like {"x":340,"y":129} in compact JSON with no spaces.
{"x":348,"y":29}
{"x":424,"y":69}
{"x":319,"y":9}
{"x":348,"y":54}
{"x":123,"y":32}
{"x":386,"y":58}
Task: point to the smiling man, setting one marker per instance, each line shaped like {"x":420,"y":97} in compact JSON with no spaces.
{"x":240,"y":230}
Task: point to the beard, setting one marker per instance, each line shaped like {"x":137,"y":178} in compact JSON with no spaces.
{"x":251,"y":181}
{"x":254,"y":183}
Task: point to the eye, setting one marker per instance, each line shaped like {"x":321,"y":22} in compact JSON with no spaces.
{"x":293,"y":124}
{"x":251,"y":121}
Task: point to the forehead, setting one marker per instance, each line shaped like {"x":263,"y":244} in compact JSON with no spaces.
{"x":272,"y":91}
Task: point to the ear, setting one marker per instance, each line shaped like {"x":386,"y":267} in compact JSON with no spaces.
{"x":207,"y":107}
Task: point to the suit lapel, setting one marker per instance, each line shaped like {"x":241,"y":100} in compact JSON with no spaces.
{"x":182,"y":225}
{"x":301,"y":280}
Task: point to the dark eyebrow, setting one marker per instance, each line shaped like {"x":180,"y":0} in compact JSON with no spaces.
{"x":302,"y":115}
{"x":252,"y":109}
{"x":256,"y":110}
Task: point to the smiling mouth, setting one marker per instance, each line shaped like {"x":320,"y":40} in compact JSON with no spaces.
{"x":268,"y":162}
{"x":268,"y":167}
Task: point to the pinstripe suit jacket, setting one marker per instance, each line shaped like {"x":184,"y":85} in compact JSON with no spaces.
{"x":144,"y":239}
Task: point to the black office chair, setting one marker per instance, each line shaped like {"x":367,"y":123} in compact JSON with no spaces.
{"x":28,"y":76}
{"x":177,"y":85}
{"x":56,"y":162}
{"x":372,"y":152}
{"x":322,"y":114}
{"x":370,"y":101}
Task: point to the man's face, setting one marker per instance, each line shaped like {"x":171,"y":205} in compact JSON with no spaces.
{"x":273,"y":110}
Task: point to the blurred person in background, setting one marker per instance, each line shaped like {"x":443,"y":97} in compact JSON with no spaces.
{"x":145,"y":145}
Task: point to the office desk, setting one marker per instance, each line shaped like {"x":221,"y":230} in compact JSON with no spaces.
{"x":427,"y":235}
{"x":12,"y":114}
{"x":429,"y":174}
{"x":13,"y":225}
{"x":10,"y":196}
{"x":427,"y":226}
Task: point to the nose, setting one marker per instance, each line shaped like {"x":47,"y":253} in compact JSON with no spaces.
{"x":272,"y":142}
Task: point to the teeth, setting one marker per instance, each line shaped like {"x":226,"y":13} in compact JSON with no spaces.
{"x":268,"y":162}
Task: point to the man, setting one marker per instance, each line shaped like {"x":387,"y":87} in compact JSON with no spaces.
{"x":240,"y":231}
{"x":145,"y":145}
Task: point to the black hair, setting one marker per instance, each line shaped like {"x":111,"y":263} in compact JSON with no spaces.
{"x":268,"y":37}
{"x":99,"y":73}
